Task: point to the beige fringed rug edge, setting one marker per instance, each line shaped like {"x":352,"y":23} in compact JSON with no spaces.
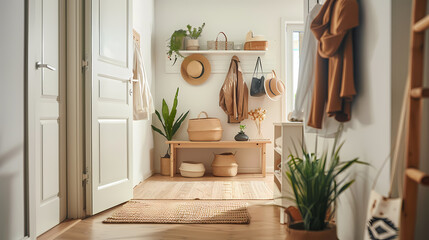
{"x":182,"y":212}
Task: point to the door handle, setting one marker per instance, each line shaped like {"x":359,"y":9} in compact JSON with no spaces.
{"x":44,"y":65}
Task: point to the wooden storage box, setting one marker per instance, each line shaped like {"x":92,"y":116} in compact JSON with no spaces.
{"x":225,"y":165}
{"x":256,"y":45}
{"x":192,"y":169}
{"x":204,"y":129}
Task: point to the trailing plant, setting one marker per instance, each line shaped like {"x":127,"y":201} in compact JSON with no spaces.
{"x":175,"y":44}
{"x":169,"y":125}
{"x":195,"y":33}
{"x":316,"y":185}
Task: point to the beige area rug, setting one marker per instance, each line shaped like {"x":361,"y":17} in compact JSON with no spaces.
{"x":151,"y":211}
{"x":246,"y":190}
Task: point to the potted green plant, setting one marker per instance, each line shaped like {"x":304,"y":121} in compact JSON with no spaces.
{"x":170,"y":126}
{"x":241,"y":136}
{"x":316,"y":185}
{"x":193,"y":34}
{"x":176,"y":43}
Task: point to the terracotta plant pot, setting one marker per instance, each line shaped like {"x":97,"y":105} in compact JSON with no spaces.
{"x":296,"y":232}
{"x":192,"y":44}
{"x":165,"y":166}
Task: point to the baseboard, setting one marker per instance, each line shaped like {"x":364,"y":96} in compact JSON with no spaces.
{"x":59,"y":229}
{"x":148,"y":175}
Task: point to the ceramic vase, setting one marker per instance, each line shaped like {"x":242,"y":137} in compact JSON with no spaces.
{"x":241,"y":136}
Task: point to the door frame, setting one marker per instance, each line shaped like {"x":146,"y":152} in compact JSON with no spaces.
{"x":76,"y":167}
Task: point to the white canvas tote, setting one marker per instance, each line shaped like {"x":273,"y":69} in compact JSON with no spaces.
{"x":383,"y":217}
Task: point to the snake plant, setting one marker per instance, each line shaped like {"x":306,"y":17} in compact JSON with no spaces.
{"x":168,"y":120}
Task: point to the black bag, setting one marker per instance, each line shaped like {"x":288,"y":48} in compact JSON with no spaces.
{"x":257,"y":88}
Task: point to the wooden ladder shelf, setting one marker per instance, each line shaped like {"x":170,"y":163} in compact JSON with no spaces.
{"x":413,"y":176}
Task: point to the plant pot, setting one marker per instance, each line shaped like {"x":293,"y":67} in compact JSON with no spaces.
{"x":241,"y":136}
{"x":192,"y":44}
{"x":165,"y":166}
{"x":296,"y":232}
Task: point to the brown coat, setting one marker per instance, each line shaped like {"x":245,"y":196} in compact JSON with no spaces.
{"x":334,"y":86}
{"x":234,"y":93}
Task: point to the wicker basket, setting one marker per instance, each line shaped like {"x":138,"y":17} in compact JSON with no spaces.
{"x":204,"y":129}
{"x":256,"y":45}
{"x":224,"y":165}
{"x":192,"y":169}
{"x":220,"y":45}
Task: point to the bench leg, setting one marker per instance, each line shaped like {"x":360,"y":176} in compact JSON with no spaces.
{"x":264,"y":160}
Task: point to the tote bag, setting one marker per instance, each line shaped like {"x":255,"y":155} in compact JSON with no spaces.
{"x":257,"y":88}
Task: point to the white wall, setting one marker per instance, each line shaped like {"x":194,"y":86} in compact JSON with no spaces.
{"x":143,"y":22}
{"x":235,"y":18}
{"x":12,"y":120}
{"x":368,"y":134}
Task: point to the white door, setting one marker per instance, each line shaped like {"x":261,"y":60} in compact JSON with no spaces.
{"x":48,"y":117}
{"x":109,"y":102}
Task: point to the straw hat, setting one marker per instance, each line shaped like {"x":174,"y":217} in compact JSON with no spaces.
{"x":195,"y":69}
{"x":274,"y":87}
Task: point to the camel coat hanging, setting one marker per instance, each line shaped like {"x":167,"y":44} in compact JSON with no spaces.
{"x":233,"y":95}
{"x":334,"y":86}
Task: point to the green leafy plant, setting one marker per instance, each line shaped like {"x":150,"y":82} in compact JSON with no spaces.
{"x":170,"y":126}
{"x":175,"y":44}
{"x":195,"y":33}
{"x":242,"y":127}
{"x":316,"y":185}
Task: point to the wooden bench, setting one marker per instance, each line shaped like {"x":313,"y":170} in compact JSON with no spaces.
{"x":174,"y":145}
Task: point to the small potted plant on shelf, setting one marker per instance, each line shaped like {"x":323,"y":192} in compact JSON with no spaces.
{"x":241,"y":136}
{"x":316,"y":186}
{"x":193,"y":34}
{"x":170,"y":127}
{"x":176,"y":44}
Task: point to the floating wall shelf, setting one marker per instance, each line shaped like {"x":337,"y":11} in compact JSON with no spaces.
{"x":254,"y":52}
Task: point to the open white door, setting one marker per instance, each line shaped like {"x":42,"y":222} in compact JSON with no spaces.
{"x":109,"y":102}
{"x":47,"y":111}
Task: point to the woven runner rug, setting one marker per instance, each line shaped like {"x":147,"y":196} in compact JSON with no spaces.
{"x":151,"y":211}
{"x":216,"y":190}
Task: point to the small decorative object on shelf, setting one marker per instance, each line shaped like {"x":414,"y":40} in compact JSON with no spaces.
{"x":254,"y":42}
{"x":258,"y":115}
{"x":193,"y":35}
{"x":176,"y":44}
{"x":241,"y":136}
{"x":220,"y":45}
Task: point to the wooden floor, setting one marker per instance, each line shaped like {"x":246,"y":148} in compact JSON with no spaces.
{"x":264,"y":222}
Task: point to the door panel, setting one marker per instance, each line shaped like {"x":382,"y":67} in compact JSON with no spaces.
{"x":113,"y":90}
{"x":113,"y":151}
{"x":50,"y":37}
{"x":109,"y":147}
{"x":50,"y":155}
{"x":114,"y":31}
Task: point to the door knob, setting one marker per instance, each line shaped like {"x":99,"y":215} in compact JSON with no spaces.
{"x":44,"y":65}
